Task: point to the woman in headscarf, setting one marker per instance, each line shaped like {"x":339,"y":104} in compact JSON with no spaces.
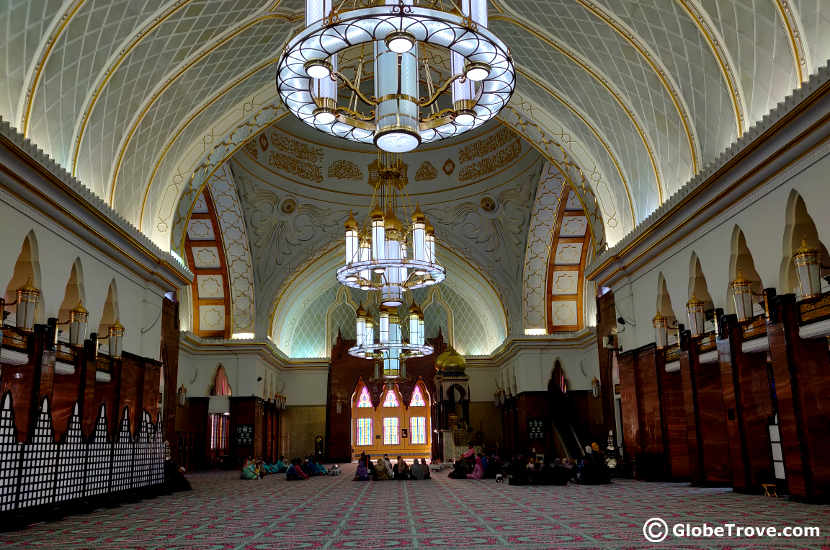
{"x":402,"y":470}
{"x":478,"y":470}
{"x":381,"y":472}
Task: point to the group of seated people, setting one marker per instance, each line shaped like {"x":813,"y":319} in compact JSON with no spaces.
{"x":476,"y":465}
{"x":591,"y":469}
{"x":527,"y":470}
{"x":383,"y":469}
{"x":294,"y":470}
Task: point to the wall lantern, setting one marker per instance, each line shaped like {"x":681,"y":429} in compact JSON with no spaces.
{"x":697,"y":315}
{"x":27,"y":300}
{"x":808,"y":270}
{"x":742,"y":296}
{"x":115,"y":339}
{"x":78,"y":317}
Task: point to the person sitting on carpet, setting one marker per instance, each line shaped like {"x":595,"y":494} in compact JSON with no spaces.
{"x":249,"y":470}
{"x":362,"y":473}
{"x":319,"y":468}
{"x":281,"y":465}
{"x":388,"y":464}
{"x":308,"y":467}
{"x":419,"y":470}
{"x":381,"y":472}
{"x":460,"y":469}
{"x":478,"y":470}
{"x":295,"y":471}
{"x":401,"y":469}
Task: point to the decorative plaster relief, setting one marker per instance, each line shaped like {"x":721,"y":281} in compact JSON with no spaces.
{"x":200,"y":230}
{"x":573,"y":226}
{"x":206,"y":257}
{"x":564,"y":313}
{"x":565,"y":282}
{"x":568,"y":253}
{"x":210,"y":286}
{"x":212,"y":317}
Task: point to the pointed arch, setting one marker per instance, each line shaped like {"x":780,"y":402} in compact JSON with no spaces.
{"x":437,"y":315}
{"x":75,"y":292}
{"x":800,"y":229}
{"x":110,"y":313}
{"x":697,"y":283}
{"x":741,"y":264}
{"x":664,"y":305}
{"x":420,"y":395}
{"x":27,"y":270}
{"x":340,"y":316}
{"x":391,"y":398}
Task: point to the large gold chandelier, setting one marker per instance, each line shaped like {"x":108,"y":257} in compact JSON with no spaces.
{"x":399,"y":44}
{"x":391,"y":258}
{"x":385,"y":255}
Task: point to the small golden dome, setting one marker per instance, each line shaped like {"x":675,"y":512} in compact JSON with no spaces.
{"x":351,"y":223}
{"x":450,"y":361}
{"x":391,"y":221}
{"x":418,"y":216}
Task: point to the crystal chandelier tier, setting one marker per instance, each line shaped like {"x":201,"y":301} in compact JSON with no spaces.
{"x":355,"y":71}
{"x":391,"y":349}
{"x":385,"y":255}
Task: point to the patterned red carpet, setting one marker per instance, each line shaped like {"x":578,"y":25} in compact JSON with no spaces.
{"x":334,"y":512}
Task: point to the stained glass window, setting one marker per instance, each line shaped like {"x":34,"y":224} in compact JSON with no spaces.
{"x":218,"y":431}
{"x":418,"y":430}
{"x":417,"y":398}
{"x":364,"y":400}
{"x":364,"y":431}
{"x":391,"y":400}
{"x":390,"y":431}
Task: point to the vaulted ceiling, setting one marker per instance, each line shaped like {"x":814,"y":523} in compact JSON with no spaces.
{"x":118,"y":91}
{"x":144,"y":100}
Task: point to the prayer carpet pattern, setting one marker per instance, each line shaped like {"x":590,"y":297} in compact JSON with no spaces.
{"x":224,"y":512}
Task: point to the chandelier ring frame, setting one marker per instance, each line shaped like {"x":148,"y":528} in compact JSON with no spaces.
{"x":349,"y":274}
{"x":377,"y":350}
{"x":330,"y":35}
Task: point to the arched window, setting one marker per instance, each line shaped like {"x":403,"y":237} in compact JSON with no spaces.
{"x":392,"y":426}
{"x":391,"y":400}
{"x":417,"y":398}
{"x":364,"y":401}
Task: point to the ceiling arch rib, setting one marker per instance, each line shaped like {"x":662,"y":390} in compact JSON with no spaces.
{"x":792,"y":24}
{"x":813,"y":18}
{"x":56,"y":27}
{"x":150,"y":62}
{"x":595,"y":94}
{"x":670,"y":41}
{"x":657,"y":65}
{"x":114,"y":63}
{"x":201,"y":119}
{"x":215,"y":65}
{"x":724,"y":59}
{"x":78,"y":60}
{"x":28,"y":38}
{"x":758,"y":42}
{"x":582,"y":39}
{"x":583,"y":119}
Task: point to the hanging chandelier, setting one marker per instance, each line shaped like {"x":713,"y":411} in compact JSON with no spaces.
{"x":391,"y":349}
{"x":384,"y":255}
{"x":386,"y":48}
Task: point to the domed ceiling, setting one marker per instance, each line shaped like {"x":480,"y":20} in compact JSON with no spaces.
{"x":297,"y":187}
{"x":144,"y":100}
